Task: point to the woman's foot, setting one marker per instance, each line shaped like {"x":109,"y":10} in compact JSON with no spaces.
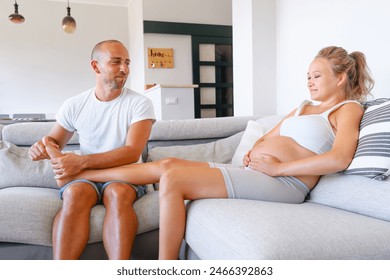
{"x":54,"y":152}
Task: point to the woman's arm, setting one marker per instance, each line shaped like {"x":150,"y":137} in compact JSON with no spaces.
{"x":347,"y":122}
{"x":275,"y":131}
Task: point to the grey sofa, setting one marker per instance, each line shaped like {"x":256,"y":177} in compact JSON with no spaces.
{"x":344,"y":217}
{"x":29,"y":196}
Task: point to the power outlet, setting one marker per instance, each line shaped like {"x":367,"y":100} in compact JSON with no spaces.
{"x":171,"y":100}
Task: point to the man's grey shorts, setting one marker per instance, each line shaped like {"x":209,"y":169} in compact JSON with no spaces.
{"x":99,"y":187}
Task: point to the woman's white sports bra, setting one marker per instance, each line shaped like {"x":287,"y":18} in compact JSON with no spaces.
{"x":313,"y":132}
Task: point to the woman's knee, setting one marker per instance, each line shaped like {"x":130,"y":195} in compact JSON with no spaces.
{"x":170,"y":182}
{"x":169,"y":163}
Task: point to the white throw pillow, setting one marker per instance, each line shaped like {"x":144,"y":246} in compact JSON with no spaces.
{"x":372,"y":156}
{"x":252,"y":132}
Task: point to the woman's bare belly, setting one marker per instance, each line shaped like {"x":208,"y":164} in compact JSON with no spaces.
{"x":285,"y":149}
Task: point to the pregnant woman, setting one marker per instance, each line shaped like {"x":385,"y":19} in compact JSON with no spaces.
{"x":283,"y":166}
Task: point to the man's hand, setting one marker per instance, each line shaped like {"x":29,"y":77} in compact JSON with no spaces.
{"x":38,"y":150}
{"x":67,"y":165}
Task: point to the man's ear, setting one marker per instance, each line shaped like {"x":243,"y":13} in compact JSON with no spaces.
{"x":342,"y":79}
{"x":94,"y":65}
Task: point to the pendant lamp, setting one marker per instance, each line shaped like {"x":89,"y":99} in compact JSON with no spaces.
{"x":68,"y":23}
{"x":16,"y":17}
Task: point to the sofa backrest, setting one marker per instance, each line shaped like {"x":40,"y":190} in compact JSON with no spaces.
{"x":26,"y":134}
{"x":164,"y":133}
{"x":195,"y":131}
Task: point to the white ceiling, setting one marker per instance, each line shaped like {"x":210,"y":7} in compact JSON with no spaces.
{"x":123,"y":3}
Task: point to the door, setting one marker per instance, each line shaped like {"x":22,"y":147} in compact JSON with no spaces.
{"x":213,"y":72}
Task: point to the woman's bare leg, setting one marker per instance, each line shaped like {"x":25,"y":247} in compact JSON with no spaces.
{"x":138,"y":174}
{"x":176,"y":186}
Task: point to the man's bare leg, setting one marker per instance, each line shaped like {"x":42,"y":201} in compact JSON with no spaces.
{"x":71,"y":224}
{"x":120,"y":223}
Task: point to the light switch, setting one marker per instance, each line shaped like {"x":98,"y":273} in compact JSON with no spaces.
{"x":171,"y":100}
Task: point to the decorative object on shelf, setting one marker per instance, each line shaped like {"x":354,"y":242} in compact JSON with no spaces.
{"x":16,"y":17}
{"x":69,"y":23}
{"x":160,"y":58}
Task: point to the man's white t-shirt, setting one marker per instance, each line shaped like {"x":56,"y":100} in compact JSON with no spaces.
{"x":103,"y":126}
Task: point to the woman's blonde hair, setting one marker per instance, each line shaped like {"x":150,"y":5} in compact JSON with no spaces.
{"x":359,"y":82}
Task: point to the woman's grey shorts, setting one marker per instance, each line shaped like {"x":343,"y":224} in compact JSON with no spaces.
{"x":99,"y":187}
{"x":246,"y":183}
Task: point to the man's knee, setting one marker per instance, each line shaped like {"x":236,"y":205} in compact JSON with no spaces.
{"x":80,"y":193}
{"x":119,"y":192}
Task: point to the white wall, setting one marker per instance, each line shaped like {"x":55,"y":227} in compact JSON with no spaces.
{"x":181,"y":73}
{"x":254,"y":55}
{"x":40,"y":64}
{"x":189,"y":11}
{"x":306,"y":26}
{"x":136,"y":80}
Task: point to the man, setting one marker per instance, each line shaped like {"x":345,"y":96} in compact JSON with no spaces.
{"x":113,"y":124}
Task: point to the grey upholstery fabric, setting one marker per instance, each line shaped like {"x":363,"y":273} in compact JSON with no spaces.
{"x":354,"y":193}
{"x":1,"y":131}
{"x":26,"y":134}
{"x":217,"y":151}
{"x":27,"y":214}
{"x":245,"y":229}
{"x":218,"y":228}
{"x":199,"y":128}
{"x":16,"y":168}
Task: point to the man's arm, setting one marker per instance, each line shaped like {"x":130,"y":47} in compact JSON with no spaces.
{"x":59,"y":136}
{"x":137,"y":136}
{"x":136,"y":139}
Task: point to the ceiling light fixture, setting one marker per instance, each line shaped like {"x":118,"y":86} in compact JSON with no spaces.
{"x":16,"y":17}
{"x":68,"y":23}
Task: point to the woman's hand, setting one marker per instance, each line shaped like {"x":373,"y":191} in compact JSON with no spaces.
{"x":246,"y":159}
{"x":266,"y":164}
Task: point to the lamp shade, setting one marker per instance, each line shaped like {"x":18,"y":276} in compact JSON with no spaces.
{"x":68,"y":23}
{"x":16,"y":17}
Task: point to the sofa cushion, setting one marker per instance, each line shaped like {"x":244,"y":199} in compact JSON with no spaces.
{"x":26,"y":134}
{"x":217,"y":151}
{"x":206,"y":128}
{"x":253,"y":131}
{"x":27,"y":215}
{"x":354,"y":193}
{"x":372,"y":157}
{"x":247,"y":229}
{"x":16,"y":168}
{"x":1,"y":131}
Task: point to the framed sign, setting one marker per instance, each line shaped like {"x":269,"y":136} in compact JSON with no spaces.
{"x":160,"y":58}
